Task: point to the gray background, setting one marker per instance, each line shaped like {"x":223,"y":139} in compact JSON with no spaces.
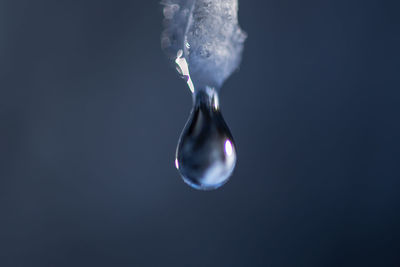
{"x":91,"y":111}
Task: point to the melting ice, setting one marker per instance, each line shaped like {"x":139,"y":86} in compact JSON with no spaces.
{"x":205,"y":41}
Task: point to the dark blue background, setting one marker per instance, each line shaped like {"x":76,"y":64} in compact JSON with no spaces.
{"x":90,"y":114}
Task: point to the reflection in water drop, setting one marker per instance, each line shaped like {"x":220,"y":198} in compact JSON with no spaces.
{"x":206,"y":154}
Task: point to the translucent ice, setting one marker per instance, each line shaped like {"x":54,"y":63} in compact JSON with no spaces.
{"x":205,"y":41}
{"x":208,"y":33}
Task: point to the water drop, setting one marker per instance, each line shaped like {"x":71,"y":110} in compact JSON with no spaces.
{"x":206,"y":153}
{"x":204,"y":39}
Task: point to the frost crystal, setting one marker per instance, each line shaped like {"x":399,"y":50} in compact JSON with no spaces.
{"x":208,"y":33}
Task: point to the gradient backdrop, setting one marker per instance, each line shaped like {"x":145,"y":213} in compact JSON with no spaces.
{"x":91,"y":111}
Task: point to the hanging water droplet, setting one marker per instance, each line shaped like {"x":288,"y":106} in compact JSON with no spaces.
{"x":204,"y":39}
{"x":206,"y":153}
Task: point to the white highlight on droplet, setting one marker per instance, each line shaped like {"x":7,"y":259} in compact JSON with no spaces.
{"x":177,"y":164}
{"x":228,"y":148}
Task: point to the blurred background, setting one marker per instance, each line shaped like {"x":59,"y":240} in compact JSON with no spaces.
{"x":91,"y":112}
